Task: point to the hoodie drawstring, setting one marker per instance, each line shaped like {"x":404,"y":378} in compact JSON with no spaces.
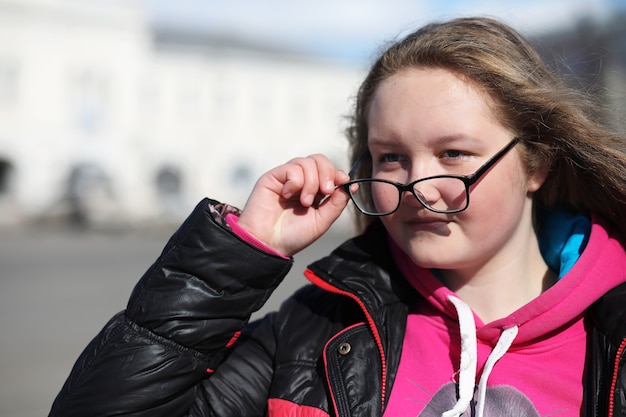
{"x":469,"y":357}
{"x":504,"y":343}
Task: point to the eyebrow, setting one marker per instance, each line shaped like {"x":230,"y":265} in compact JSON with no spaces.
{"x":455,"y":138}
{"x":438,"y":140}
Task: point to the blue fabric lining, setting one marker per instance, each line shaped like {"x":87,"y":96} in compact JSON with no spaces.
{"x":563,"y":236}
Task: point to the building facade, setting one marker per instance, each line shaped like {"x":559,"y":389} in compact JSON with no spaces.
{"x":105,"y":119}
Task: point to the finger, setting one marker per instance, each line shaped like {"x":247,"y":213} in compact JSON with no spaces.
{"x":292,"y":180}
{"x":332,"y":207}
{"x":326,"y":173}
{"x":311,"y":178}
{"x":301,"y":180}
{"x":317,"y":174}
{"x":341,"y":177}
{"x":311,"y":185}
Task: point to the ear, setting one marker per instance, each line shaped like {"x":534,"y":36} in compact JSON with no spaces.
{"x":536,"y":179}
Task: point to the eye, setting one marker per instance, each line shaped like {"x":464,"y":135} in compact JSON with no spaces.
{"x":389,"y":158}
{"x":454,"y":154}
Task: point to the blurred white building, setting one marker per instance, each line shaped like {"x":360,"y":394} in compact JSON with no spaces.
{"x":108,"y":119}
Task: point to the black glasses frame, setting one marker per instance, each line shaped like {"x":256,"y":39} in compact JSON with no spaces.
{"x":468,"y":180}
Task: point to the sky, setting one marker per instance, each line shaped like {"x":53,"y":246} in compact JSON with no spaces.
{"x":356,"y":29}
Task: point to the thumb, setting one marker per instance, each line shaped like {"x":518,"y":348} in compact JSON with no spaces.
{"x":333,"y":205}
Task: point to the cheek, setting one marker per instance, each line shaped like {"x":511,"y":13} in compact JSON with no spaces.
{"x":501,"y":192}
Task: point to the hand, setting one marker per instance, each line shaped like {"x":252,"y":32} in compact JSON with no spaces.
{"x":284,"y":210}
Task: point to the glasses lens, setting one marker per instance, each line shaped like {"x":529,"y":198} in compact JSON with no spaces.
{"x":379,"y":198}
{"x":374,"y":197}
{"x":442,"y":194}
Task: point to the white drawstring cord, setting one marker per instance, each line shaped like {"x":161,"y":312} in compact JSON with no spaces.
{"x":467,"y":371}
{"x":504,"y":343}
{"x":469,"y":357}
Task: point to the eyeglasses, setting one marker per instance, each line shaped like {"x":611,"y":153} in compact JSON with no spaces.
{"x":380,"y":197}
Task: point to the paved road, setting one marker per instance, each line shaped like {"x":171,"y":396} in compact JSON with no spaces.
{"x":58,"y":287}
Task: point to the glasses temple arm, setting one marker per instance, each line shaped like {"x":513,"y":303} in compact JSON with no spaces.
{"x":356,"y":165}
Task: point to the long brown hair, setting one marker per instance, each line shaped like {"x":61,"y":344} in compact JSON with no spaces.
{"x":562,"y":128}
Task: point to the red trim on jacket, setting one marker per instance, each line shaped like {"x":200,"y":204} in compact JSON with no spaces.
{"x":311,"y":276}
{"x":618,"y":355}
{"x":233,"y":339}
{"x":277,"y":407}
{"x":332,"y":395}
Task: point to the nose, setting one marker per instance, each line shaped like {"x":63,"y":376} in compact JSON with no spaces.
{"x":421,"y":193}
{"x":419,"y":169}
{"x":426,"y":193}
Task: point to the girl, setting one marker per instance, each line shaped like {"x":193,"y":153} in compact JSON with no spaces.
{"x":488,"y":278}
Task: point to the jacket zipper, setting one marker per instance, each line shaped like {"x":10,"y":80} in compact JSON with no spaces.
{"x":311,"y":276}
{"x":618,"y":356}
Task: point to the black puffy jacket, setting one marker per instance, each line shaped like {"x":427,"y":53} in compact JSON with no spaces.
{"x":183,"y":346}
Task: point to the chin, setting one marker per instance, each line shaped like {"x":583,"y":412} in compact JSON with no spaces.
{"x":432,"y":258}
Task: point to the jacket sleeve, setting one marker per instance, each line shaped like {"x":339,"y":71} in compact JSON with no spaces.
{"x":158,"y":356}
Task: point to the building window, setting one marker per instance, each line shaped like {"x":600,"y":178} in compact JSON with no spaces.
{"x":9,"y":81}
{"x":89,"y":95}
{"x":6,"y":172}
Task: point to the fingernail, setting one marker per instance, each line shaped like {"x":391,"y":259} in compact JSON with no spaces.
{"x":308,"y":200}
{"x":329,"y":185}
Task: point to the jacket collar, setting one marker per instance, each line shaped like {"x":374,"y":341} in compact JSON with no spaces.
{"x":608,"y":314}
{"x":364,"y":266}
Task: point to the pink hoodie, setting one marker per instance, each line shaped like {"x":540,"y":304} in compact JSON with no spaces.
{"x":534,"y":368}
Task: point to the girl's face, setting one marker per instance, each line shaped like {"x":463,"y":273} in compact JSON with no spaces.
{"x":424,"y":122}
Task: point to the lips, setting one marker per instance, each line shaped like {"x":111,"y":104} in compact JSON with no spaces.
{"x":430,"y":223}
{"x":435,"y":225}
{"x":428,"y":219}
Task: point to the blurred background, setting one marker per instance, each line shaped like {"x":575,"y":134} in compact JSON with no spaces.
{"x":117,"y":117}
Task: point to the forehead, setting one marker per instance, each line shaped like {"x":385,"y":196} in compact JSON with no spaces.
{"x":429,"y":100}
